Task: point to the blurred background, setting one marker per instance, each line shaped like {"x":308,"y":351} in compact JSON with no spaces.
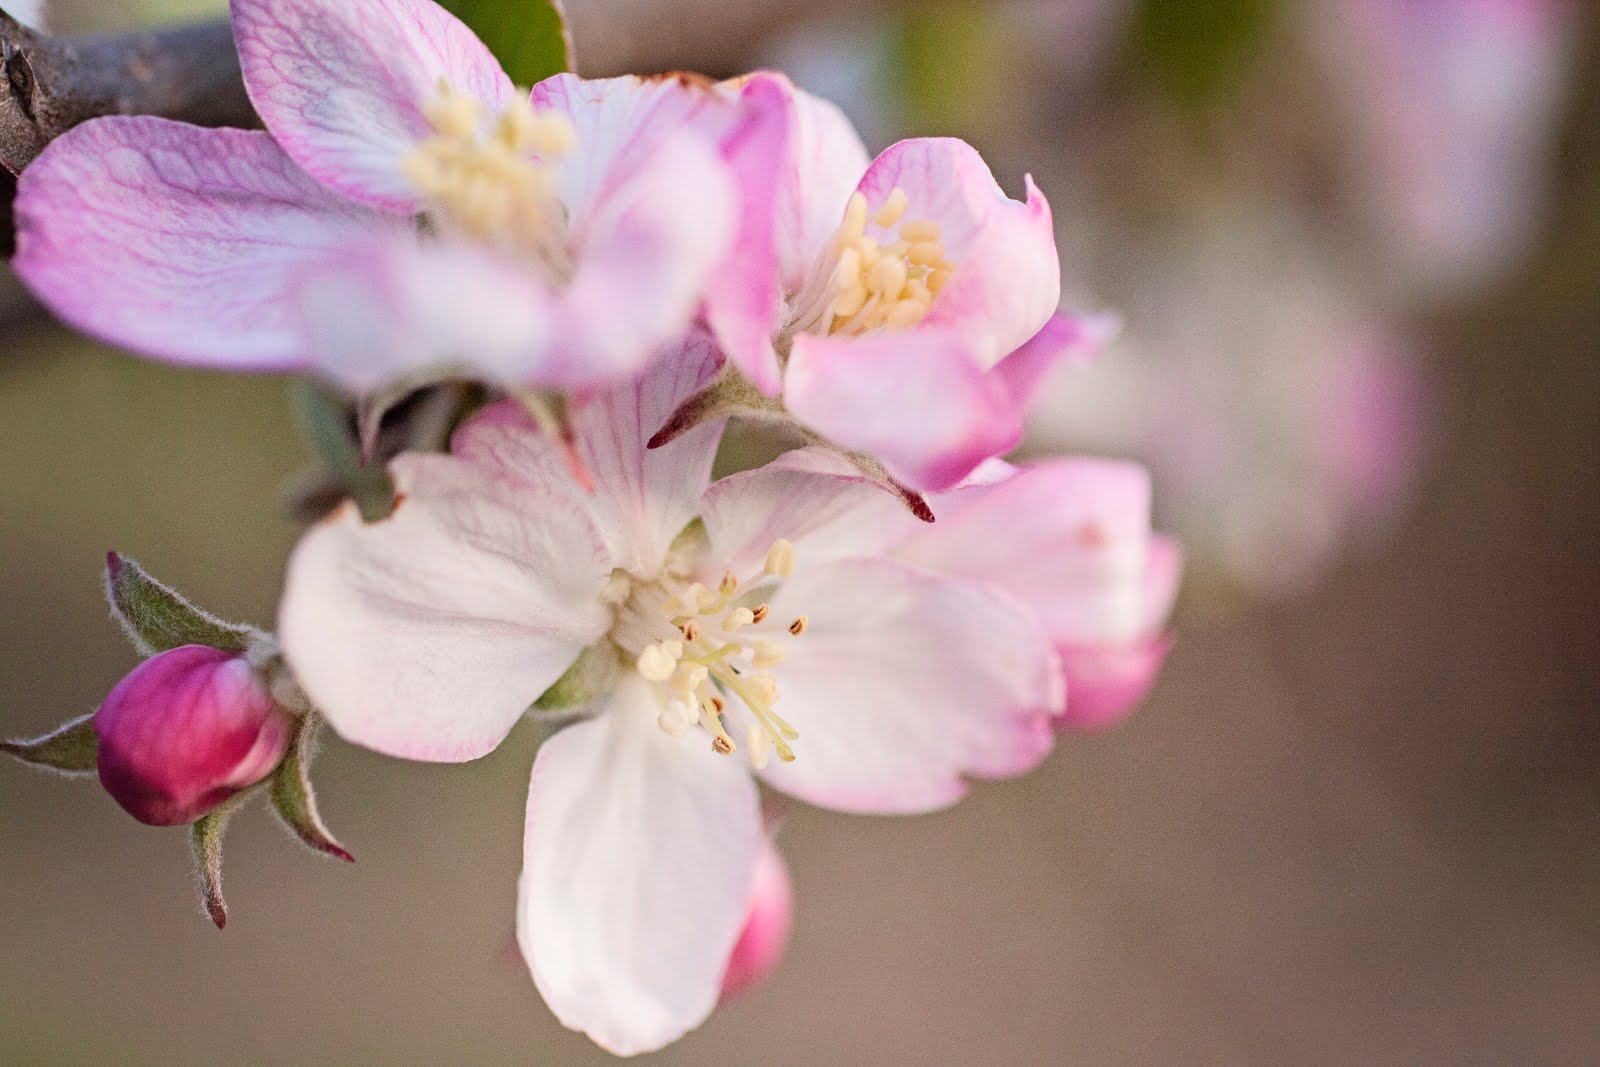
{"x":1355,"y":245}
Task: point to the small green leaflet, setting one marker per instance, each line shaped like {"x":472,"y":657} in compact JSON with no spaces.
{"x":529,"y":37}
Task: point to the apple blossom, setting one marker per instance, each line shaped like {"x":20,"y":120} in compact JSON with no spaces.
{"x":185,"y":731}
{"x":901,"y":307}
{"x":407,"y":214}
{"x":429,"y":634}
{"x":765,"y":937}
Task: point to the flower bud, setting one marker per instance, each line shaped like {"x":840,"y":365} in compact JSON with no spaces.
{"x":765,"y":936}
{"x":186,"y":730}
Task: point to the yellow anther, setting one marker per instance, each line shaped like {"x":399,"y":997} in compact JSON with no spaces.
{"x":764,"y":689}
{"x":894,"y":208}
{"x":453,"y":114}
{"x":921,"y":231}
{"x":655,"y":665}
{"x":905,"y":313}
{"x":887,"y":276}
{"x":939,"y":279}
{"x":851,"y":301}
{"x":925,"y":254}
{"x":737,"y":619}
{"x":688,"y":677}
{"x":798,"y":626}
{"x":848,"y":275}
{"x":855,"y":219}
{"x":729,"y":584}
{"x":780,"y":558}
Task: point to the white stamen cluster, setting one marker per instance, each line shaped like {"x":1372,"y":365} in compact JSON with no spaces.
{"x":703,"y":644}
{"x":494,"y":179}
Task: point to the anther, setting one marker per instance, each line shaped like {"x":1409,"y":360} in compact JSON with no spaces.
{"x":729,"y":584}
{"x":920,"y":231}
{"x":738,"y":618}
{"x":722,"y":745}
{"x":798,"y":627}
{"x":655,"y":665}
{"x":894,"y":208}
{"x":780,"y":558}
{"x":760,"y":613}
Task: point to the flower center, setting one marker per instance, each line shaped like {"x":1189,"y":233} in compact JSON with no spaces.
{"x":877,"y":284}
{"x":494,"y":179}
{"x":697,"y":645}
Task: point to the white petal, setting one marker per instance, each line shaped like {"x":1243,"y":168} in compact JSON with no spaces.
{"x":427,"y":635}
{"x":810,"y":497}
{"x":642,"y":497}
{"x":640,"y":855}
{"x":903,"y":683}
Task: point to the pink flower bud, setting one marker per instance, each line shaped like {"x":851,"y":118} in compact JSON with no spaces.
{"x":186,"y":730}
{"x":765,"y":937}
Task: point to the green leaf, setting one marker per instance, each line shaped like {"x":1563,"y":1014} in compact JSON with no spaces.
{"x":157,"y":619}
{"x":205,"y":839}
{"x":296,"y":802}
{"x":330,"y":427}
{"x":529,"y":37}
{"x":72,"y":749}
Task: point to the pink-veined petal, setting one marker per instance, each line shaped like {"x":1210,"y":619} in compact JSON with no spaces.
{"x":177,"y":242}
{"x":823,"y":167}
{"x":427,"y":634}
{"x":811,"y":497}
{"x":744,"y":296}
{"x":1070,"y":538}
{"x":342,"y":84}
{"x":642,"y":497}
{"x":637,"y":870}
{"x":381,"y":312}
{"x":1008,"y":276}
{"x":917,"y":400}
{"x":644,"y":261}
{"x":905,"y":683}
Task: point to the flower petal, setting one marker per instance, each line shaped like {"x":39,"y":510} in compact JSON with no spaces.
{"x":176,"y":242}
{"x":1008,"y":278}
{"x":903,"y":682}
{"x":1106,"y":682}
{"x":646,"y":255}
{"x":1069,"y":538}
{"x":637,"y":872}
{"x":426,"y":635}
{"x":918,"y":400}
{"x":341,"y":84}
{"x":822,"y":169}
{"x":811,"y":497}
{"x":381,"y":312}
{"x":642,"y":497}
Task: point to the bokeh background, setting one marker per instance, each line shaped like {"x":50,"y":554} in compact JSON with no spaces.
{"x":1355,"y":246}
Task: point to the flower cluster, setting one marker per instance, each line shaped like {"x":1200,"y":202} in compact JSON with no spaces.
{"x":630,"y":262}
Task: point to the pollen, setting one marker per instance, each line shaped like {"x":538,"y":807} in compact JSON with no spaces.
{"x":888,"y":284}
{"x":703,"y":648}
{"x":493,"y":177}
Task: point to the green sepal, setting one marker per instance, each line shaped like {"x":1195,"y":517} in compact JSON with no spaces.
{"x":205,"y":841}
{"x":157,"y":619}
{"x":330,"y":426}
{"x":293,"y":799}
{"x":529,"y":38}
{"x":594,"y":672}
{"x":72,"y":749}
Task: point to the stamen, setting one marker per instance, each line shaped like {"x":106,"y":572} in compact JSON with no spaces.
{"x":780,"y":559}
{"x":760,"y":744}
{"x":873,"y":286}
{"x":798,"y":627}
{"x":655,"y":665}
{"x":759,"y":615}
{"x":737,"y":619}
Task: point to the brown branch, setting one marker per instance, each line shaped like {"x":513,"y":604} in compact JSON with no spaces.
{"x":51,"y":84}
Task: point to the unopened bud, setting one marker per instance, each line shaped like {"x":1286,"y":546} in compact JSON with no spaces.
{"x":185,"y":731}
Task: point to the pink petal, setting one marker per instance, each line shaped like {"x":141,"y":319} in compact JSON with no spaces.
{"x":427,"y":635}
{"x":638,"y":866}
{"x":744,"y":297}
{"x":1070,"y":538}
{"x":903,"y":683}
{"x":177,"y":242}
{"x":1106,"y":682}
{"x":811,"y":497}
{"x":823,"y":167}
{"x":643,"y":497}
{"x":768,"y":922}
{"x":1008,"y":278}
{"x":917,"y":400}
{"x":341,"y":84}
{"x":643,"y":264}
{"x":378,"y":312}
{"x":1066,"y":336}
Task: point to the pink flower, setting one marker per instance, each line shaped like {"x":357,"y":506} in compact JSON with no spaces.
{"x":186,"y":730}
{"x":407,"y":215}
{"x":768,"y":636}
{"x":902,"y":307}
{"x":765,"y":937}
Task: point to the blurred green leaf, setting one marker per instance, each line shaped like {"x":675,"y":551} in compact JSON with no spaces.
{"x":1197,"y":49}
{"x":529,"y":37}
